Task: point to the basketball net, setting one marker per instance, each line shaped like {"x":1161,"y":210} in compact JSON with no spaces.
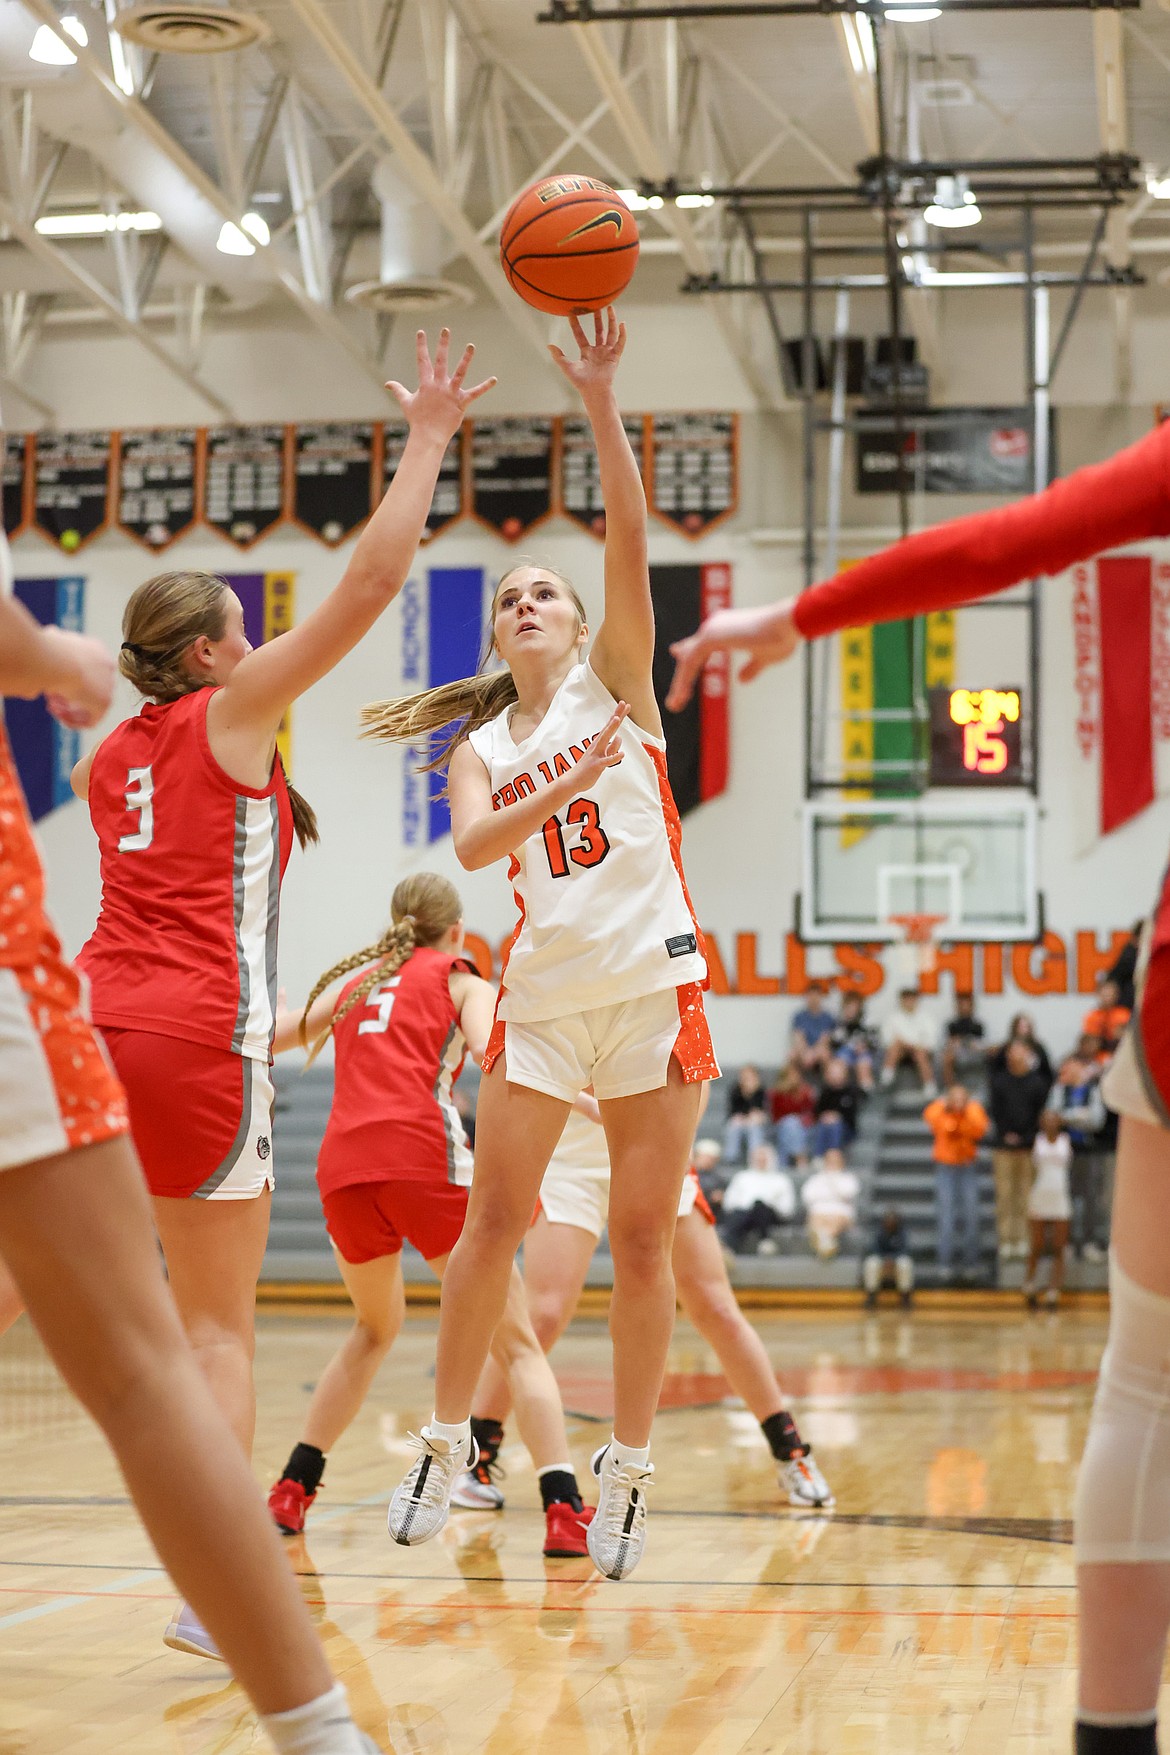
{"x":915,"y":952}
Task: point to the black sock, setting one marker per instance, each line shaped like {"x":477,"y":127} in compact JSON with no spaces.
{"x":306,"y":1466}
{"x":1117,"y":1739}
{"x":559,"y":1487}
{"x":489,"y":1435}
{"x":784,"y":1440}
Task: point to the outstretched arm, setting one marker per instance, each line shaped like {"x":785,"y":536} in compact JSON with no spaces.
{"x":623,"y":651}
{"x":74,"y":673}
{"x":265,"y":682}
{"x":1125,"y":499}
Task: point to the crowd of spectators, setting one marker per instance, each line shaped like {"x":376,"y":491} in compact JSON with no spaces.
{"x":784,"y":1168}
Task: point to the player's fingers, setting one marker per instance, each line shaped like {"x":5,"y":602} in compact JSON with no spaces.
{"x":621,"y":339}
{"x":441,"y":353}
{"x":422,"y":354}
{"x":579,"y":335}
{"x":480,"y":389}
{"x":399,"y":392}
{"x":751,"y":670}
{"x":460,"y":371}
{"x":610,"y":325}
{"x":689,"y":658}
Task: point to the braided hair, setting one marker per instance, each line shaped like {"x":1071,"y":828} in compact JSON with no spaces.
{"x":161,"y":621}
{"x":422,"y":908}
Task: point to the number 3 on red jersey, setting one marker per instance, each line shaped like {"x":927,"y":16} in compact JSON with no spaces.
{"x":590,"y":850}
{"x":140,"y":798}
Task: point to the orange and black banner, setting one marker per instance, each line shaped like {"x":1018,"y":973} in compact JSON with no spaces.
{"x":698,"y":740}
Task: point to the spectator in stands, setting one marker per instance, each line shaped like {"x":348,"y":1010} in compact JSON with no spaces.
{"x":888,"y":1259}
{"x":1108,"y":1017}
{"x":909,"y":1034}
{"x":837,"y":1106}
{"x":791,"y":1101}
{"x":1022,"y":1029}
{"x":852,"y":1040}
{"x":707,"y":1158}
{"x":747,"y":1116}
{"x":965,"y":1050}
{"x":810,"y":1029}
{"x":958,"y":1123}
{"x":830,"y":1201}
{"x":1076,"y":1100}
{"x":756,"y":1201}
{"x":1018,"y":1094}
{"x":1124,"y":967}
{"x":1049,"y":1207}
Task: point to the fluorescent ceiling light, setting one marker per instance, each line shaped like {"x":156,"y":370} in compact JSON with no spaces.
{"x":859,"y":43}
{"x":48,"y":48}
{"x":1158,"y":185}
{"x":256,"y":228}
{"x":694,"y":200}
{"x":639,"y":203}
{"x":232,"y":242}
{"x":954,"y":205}
{"x":899,"y":14}
{"x":96,"y":225}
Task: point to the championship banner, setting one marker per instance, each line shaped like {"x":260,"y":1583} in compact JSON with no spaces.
{"x":949,"y":451}
{"x":43,"y":750}
{"x":268,"y":601}
{"x":1121,"y":636}
{"x":442,"y":625}
{"x":698,"y":740}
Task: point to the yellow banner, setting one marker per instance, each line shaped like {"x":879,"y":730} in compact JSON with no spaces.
{"x":279,"y":606}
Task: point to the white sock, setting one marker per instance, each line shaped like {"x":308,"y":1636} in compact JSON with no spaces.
{"x":452,"y":1436}
{"x":323,"y":1727}
{"x":626,"y":1453}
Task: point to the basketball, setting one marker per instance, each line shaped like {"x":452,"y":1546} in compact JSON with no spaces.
{"x":569,"y":244}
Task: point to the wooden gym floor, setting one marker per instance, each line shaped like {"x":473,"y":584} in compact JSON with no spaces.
{"x":934,"y":1611}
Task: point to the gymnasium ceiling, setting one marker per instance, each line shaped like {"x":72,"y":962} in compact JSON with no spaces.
{"x":455,"y":104}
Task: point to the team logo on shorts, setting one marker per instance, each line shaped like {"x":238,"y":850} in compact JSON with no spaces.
{"x":263,"y":1146}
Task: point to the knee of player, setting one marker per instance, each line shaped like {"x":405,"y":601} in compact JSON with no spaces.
{"x":496,"y":1228}
{"x":548,"y":1315}
{"x":375,"y":1335}
{"x":642,"y":1243}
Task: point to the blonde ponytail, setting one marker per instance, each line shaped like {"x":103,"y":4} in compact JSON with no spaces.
{"x":422,"y":909}
{"x":460,"y":707}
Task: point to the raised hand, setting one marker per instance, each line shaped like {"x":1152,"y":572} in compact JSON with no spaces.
{"x":769,"y":634}
{"x":598,"y":364}
{"x":606,"y":749}
{"x":441,"y":401}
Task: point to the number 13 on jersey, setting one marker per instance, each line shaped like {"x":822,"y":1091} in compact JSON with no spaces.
{"x":592,"y":846}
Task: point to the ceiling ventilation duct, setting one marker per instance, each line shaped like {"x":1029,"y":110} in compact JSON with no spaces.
{"x":412,"y":250}
{"x":196,"y":28}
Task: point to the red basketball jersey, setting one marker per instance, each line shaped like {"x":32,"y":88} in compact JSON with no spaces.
{"x":191,"y":863}
{"x":398,"y":1053}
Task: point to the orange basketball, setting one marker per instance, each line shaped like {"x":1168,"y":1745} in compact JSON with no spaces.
{"x":569,"y":244}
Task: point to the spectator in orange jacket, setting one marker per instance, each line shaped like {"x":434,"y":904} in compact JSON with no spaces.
{"x":1108,"y":1017}
{"x":958,"y":1123}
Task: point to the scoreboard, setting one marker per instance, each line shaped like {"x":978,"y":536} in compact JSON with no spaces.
{"x":975,"y":737}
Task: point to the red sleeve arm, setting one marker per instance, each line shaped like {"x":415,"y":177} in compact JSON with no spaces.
{"x":1101,"y":507}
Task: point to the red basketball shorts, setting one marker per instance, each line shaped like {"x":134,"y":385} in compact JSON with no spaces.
{"x":201,"y":1117}
{"x":366,"y":1220}
{"x":57,"y":1090}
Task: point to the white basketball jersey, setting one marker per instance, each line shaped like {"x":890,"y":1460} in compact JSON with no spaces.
{"x":604,"y":910}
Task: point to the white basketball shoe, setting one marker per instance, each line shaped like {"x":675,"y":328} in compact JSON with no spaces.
{"x":422,"y":1502}
{"x":617,"y":1534}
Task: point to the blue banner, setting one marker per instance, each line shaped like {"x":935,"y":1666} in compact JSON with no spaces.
{"x":442,"y":636}
{"x":45,"y":752}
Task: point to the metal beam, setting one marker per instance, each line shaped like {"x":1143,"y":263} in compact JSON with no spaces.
{"x":574,"y":12}
{"x":96,"y":294}
{"x":272,"y":262}
{"x":418,"y":169}
{"x":649,"y":162}
{"x":1113,"y":128}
